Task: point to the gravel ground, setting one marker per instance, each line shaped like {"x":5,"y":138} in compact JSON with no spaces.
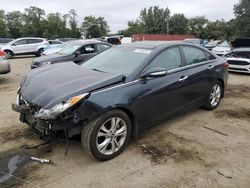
{"x":178,"y":153}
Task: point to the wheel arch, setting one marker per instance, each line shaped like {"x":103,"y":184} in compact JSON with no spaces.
{"x":131,"y":117}
{"x":5,"y":50}
{"x":223,"y":85}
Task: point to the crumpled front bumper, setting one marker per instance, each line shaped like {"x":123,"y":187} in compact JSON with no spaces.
{"x":44,"y":128}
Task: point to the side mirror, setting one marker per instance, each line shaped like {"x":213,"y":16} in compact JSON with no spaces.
{"x":13,"y":44}
{"x":76,"y":54}
{"x":154,"y":73}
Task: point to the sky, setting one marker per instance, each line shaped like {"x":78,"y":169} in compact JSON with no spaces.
{"x":118,"y":12}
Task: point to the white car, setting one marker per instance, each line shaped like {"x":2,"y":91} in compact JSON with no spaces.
{"x":4,"y":65}
{"x":25,"y":46}
{"x":222,"y":49}
{"x":239,"y":58}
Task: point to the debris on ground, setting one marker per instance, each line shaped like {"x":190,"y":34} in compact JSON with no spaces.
{"x":219,"y":132}
{"x":42,"y":161}
{"x":227,"y":173}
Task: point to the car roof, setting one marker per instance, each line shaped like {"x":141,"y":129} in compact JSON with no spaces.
{"x":90,"y":41}
{"x":152,"y":44}
{"x":30,"y":38}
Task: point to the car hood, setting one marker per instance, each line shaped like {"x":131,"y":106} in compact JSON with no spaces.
{"x":50,"y":85}
{"x":52,"y":51}
{"x":50,"y":57}
{"x":221,"y":49}
{"x":241,"y":43}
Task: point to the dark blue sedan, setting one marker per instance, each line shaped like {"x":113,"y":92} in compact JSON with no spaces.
{"x":120,"y":92}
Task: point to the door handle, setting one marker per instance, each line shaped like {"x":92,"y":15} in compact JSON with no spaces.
{"x":210,"y":67}
{"x":183,"y":78}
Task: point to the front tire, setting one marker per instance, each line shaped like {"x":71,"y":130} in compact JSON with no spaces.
{"x":39,"y":52}
{"x":107,"y":136}
{"x":214,"y":97}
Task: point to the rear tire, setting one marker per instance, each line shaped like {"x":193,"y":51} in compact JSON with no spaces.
{"x":8,"y":54}
{"x":214,"y":96}
{"x":39,"y":52}
{"x":107,"y":136}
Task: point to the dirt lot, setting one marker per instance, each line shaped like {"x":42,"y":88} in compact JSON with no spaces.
{"x":177,"y":153}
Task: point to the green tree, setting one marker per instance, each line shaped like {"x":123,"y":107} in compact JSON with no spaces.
{"x":34,"y":24}
{"x":3,"y":30}
{"x":134,"y":27}
{"x":14,"y":24}
{"x":219,"y":29}
{"x":75,"y":31}
{"x":178,"y":24}
{"x":54,"y":26}
{"x":155,"y":20}
{"x":93,"y":27}
{"x":197,"y":26}
{"x":242,"y":13}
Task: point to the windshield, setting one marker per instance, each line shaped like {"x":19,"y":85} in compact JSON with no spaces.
{"x":12,"y":42}
{"x":224,"y":44}
{"x":69,"y":48}
{"x":118,"y":60}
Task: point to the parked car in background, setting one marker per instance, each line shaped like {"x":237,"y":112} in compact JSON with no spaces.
{"x":222,"y":49}
{"x":212,"y":44}
{"x":76,"y":51}
{"x":115,"y":40}
{"x":126,"y":40}
{"x":239,"y":58}
{"x":198,"y":42}
{"x":25,"y":46}
{"x":120,"y":92}
{"x":4,"y":65}
{"x":66,"y":39}
{"x":54,"y":42}
{"x":4,"y":41}
{"x":52,"y":47}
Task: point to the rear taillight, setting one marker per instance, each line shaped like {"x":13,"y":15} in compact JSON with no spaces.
{"x":2,"y":53}
{"x":226,"y":65}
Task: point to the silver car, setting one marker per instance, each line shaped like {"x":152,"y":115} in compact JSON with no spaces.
{"x":4,"y":65}
{"x":25,"y":46}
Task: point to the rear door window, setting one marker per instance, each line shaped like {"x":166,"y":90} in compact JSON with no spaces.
{"x":193,"y":55}
{"x":102,"y":47}
{"x":34,"y":41}
{"x":168,"y":59}
{"x":210,"y":56}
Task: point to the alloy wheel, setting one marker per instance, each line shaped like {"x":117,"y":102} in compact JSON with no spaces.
{"x":111,"y":136}
{"x":215,"y":95}
{"x":8,"y":55}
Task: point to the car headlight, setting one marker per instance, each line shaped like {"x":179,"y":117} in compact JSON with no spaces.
{"x":59,"y":108}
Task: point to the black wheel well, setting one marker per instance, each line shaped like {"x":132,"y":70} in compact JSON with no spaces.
{"x":132,"y":118}
{"x":8,"y":51}
{"x":223,"y":85}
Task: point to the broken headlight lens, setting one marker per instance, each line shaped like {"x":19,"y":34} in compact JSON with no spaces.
{"x":53,"y":112}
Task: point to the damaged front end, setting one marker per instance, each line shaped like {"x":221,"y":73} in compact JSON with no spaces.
{"x":46,"y":122}
{"x":239,"y":58}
